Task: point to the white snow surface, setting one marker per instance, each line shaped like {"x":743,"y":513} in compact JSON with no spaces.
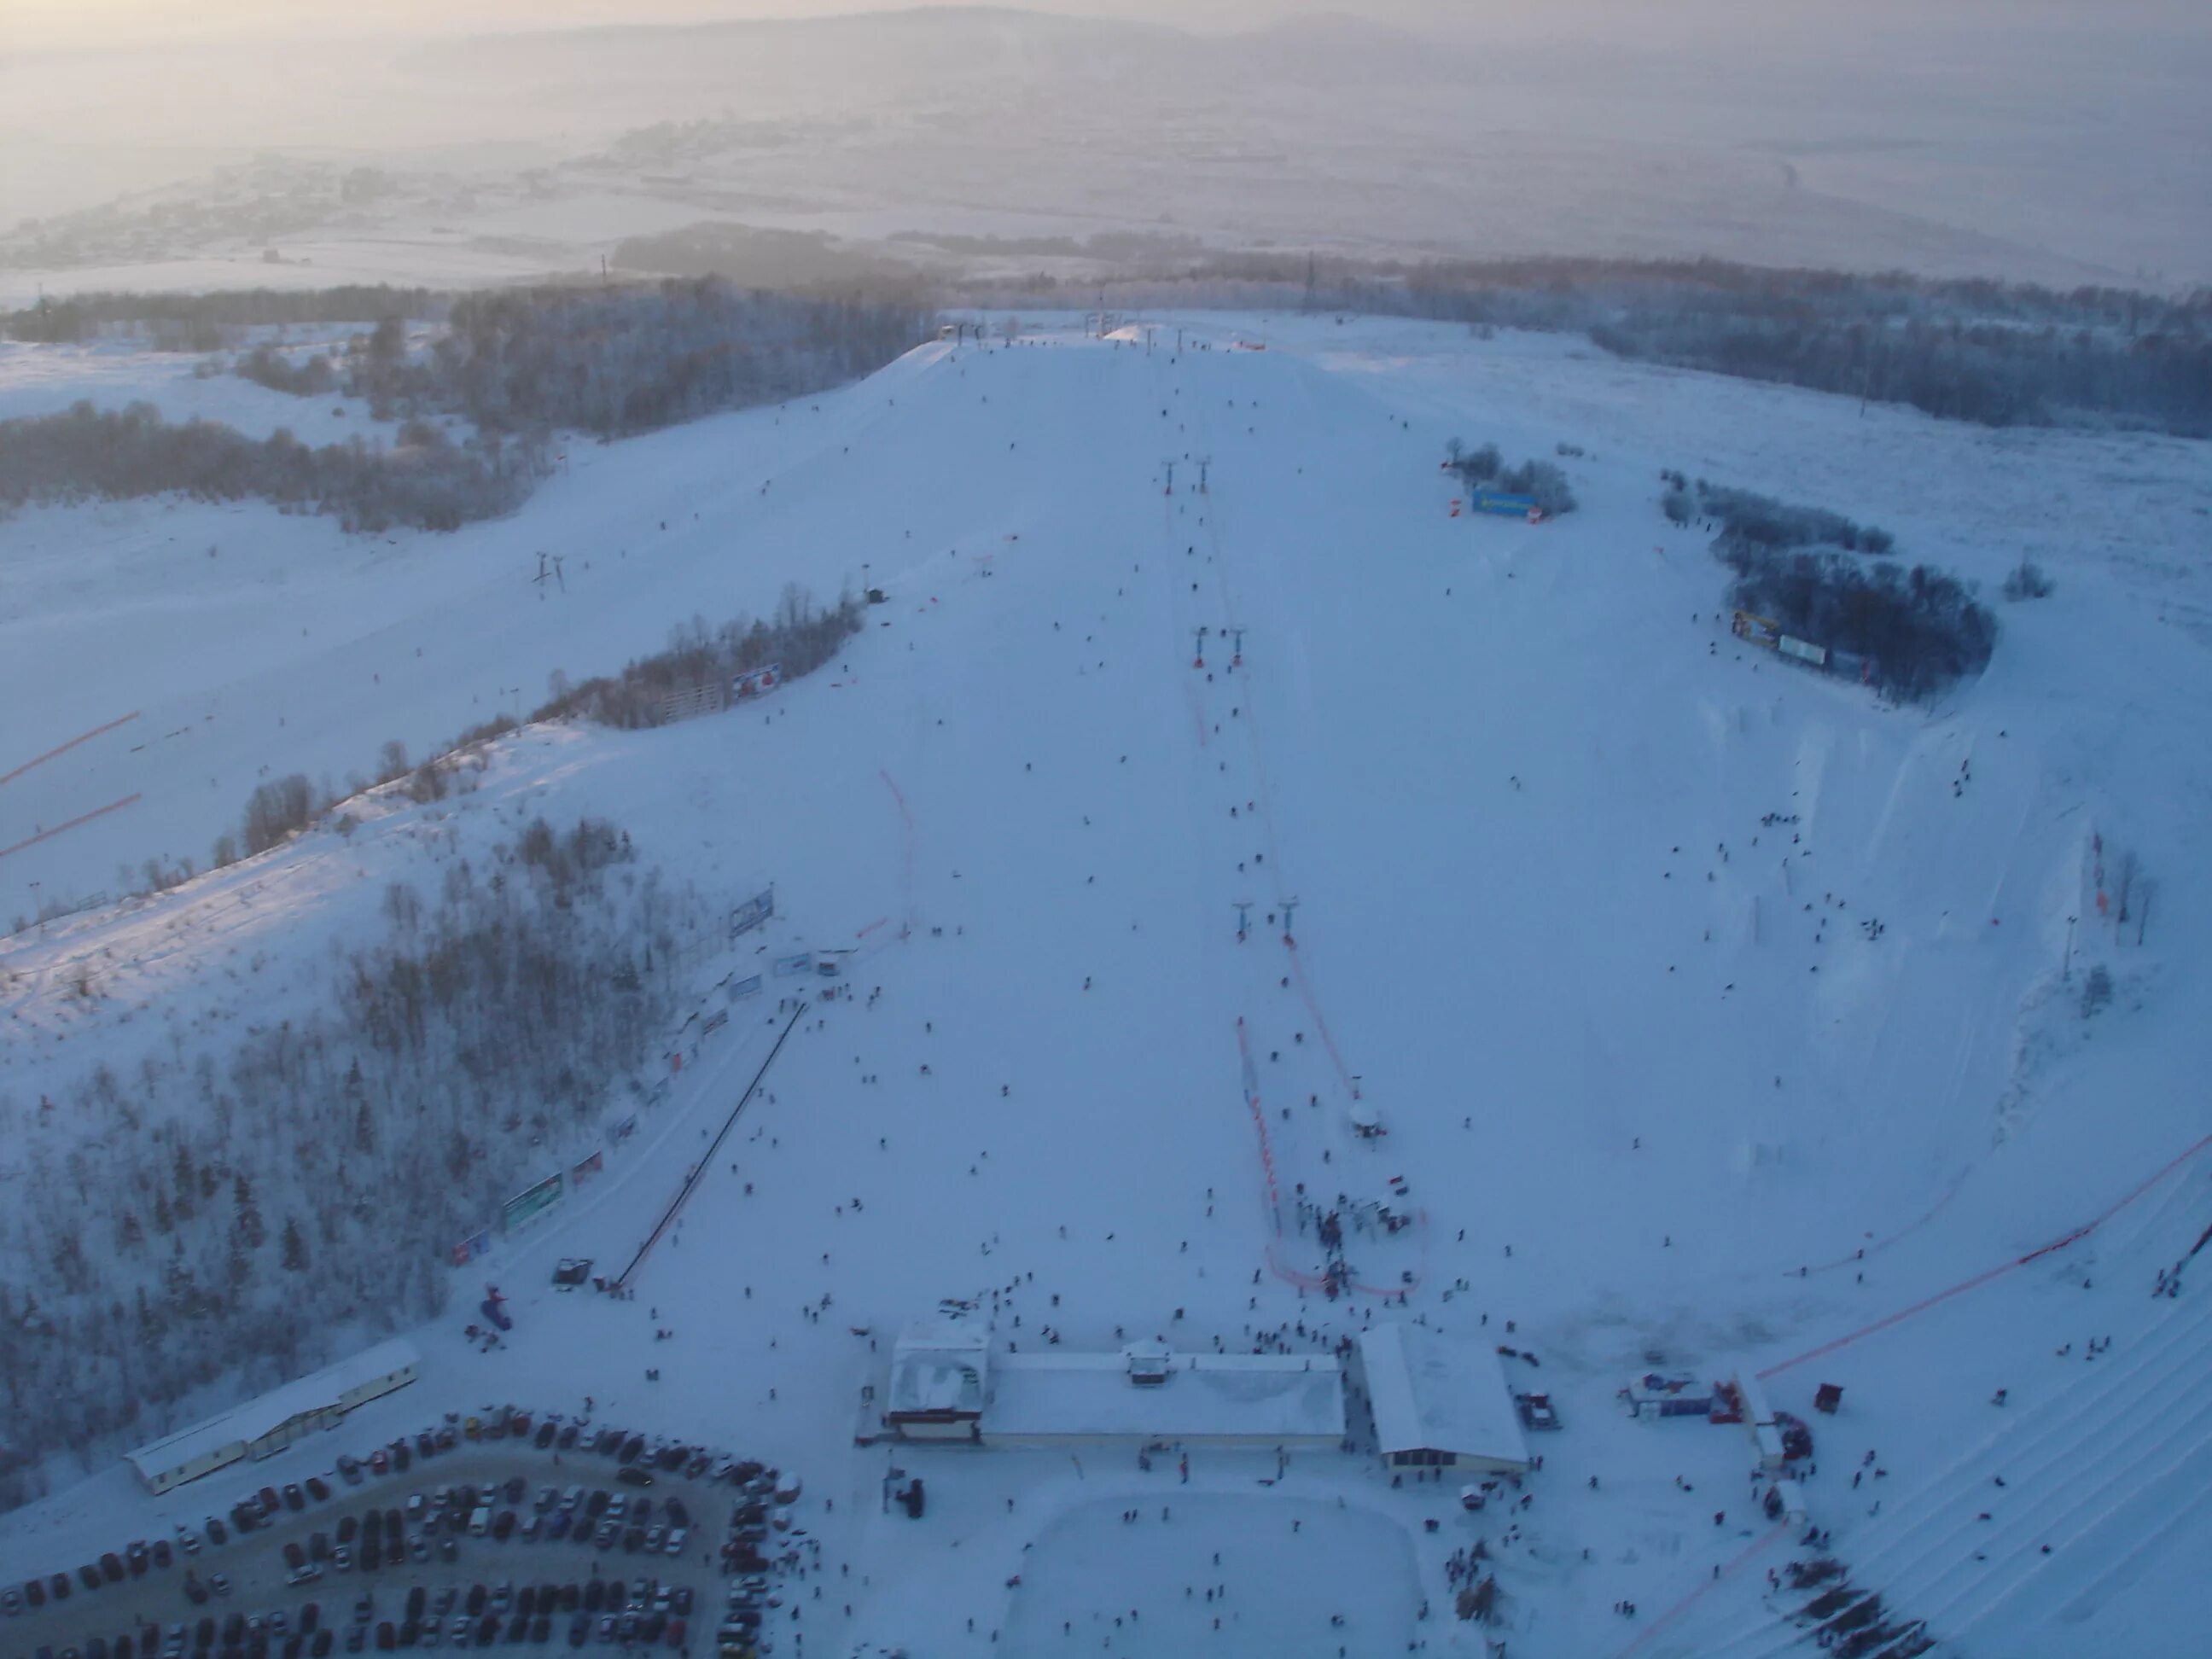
{"x":1653,"y":1090}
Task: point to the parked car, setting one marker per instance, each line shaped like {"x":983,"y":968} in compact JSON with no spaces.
{"x":631,"y":1475}
{"x":318,"y":1488}
{"x":217,"y":1534}
{"x":293,"y":1497}
{"x":219,"y":1584}
{"x":196,"y":1592}
{"x":503,"y":1526}
{"x":349,"y":1469}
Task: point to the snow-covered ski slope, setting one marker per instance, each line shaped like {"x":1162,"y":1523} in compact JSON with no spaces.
{"x":1580,"y":883}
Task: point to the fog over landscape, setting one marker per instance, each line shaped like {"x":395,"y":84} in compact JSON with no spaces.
{"x":2043,"y":140}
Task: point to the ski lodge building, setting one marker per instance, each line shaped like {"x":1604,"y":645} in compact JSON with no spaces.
{"x":1439,"y":1403}
{"x":936,"y":1380}
{"x":945,"y":1383}
{"x":264,"y":1426}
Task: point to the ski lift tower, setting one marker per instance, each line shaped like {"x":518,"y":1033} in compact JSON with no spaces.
{"x":1288,"y":908}
{"x":1170,"y":467}
{"x":1237,"y":653}
{"x":1205,"y":462}
{"x":1243,"y":907}
{"x":1198,"y":659}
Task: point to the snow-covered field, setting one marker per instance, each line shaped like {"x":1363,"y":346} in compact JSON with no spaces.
{"x":1579,"y":884}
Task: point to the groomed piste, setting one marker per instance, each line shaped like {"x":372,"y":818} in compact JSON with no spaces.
{"x":1467,"y":885}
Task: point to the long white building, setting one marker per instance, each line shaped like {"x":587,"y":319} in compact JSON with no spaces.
{"x":264,"y":1426}
{"x":946,"y":1382}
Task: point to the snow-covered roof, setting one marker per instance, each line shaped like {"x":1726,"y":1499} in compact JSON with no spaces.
{"x":251,"y":1420}
{"x":1431,"y":1393}
{"x":937,"y":1365}
{"x":1259,"y":1397}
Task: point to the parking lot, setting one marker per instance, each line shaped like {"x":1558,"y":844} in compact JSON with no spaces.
{"x":610,"y":1541}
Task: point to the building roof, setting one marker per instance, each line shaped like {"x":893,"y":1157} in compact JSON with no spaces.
{"x":254,"y":1418}
{"x":1432,"y":1392}
{"x":1259,"y":1397}
{"x":939,"y":1365}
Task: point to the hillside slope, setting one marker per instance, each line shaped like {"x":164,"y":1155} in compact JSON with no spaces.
{"x":1579,"y":882}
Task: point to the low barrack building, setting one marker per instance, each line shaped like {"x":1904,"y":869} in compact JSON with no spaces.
{"x":264,"y":1426}
{"x":1140,"y":1397}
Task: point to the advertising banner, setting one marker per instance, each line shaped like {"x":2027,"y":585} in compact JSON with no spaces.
{"x":1802,"y":650}
{"x":530,"y":1203}
{"x":752,"y":913}
{"x":476,"y":1244}
{"x":748,"y":986}
{"x":757,"y":683}
{"x":590,"y":1167}
{"x":1503,"y":503}
{"x":715,"y":1021}
{"x":623,"y":1129}
{"x":1759,"y":630}
{"x":801,"y":963}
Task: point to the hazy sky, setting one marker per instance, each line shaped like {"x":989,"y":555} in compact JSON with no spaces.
{"x":107,"y":23}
